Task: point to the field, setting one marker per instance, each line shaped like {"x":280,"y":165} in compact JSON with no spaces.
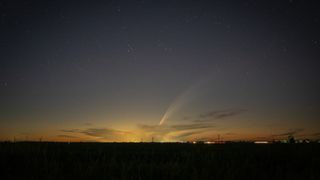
{"x":32,"y":160}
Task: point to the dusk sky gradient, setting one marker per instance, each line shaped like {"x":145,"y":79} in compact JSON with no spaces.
{"x":112,"y":70}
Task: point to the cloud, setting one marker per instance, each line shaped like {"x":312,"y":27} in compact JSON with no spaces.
{"x":186,"y":117}
{"x":220,"y":114}
{"x":70,"y":130}
{"x":261,"y":138}
{"x":106,"y":133}
{"x":316,"y":134}
{"x":230,"y":134}
{"x":176,"y":127}
{"x":187,"y":135}
{"x":308,"y":135}
{"x":195,"y":126}
{"x":155,"y":129}
{"x":152,"y":127}
{"x":66,"y":136}
{"x":176,"y":131}
{"x":99,"y":133}
{"x":291,"y":132}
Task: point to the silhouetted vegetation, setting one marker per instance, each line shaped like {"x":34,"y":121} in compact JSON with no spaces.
{"x":159,"y":161}
{"x":291,"y":139}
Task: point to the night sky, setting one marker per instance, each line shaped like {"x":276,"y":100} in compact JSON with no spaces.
{"x":172,"y":70}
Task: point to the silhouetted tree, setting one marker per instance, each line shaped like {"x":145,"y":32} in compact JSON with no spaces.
{"x":291,"y":139}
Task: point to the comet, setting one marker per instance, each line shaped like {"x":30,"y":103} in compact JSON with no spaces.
{"x":186,"y":96}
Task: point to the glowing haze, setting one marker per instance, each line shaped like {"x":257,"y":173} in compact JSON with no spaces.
{"x":162,"y":70}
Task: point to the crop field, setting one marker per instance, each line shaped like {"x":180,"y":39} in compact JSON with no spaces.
{"x":42,"y":160}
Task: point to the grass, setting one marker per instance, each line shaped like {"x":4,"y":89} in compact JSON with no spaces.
{"x":32,"y":160}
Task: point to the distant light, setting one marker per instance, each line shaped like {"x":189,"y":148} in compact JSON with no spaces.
{"x":261,"y":142}
{"x":194,"y":142}
{"x":209,"y":142}
{"x":284,"y":141}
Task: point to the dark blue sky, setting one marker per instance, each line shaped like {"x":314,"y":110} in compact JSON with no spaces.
{"x":111,"y":70}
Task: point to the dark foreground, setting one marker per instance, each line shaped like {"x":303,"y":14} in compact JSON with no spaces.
{"x":158,"y":161}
